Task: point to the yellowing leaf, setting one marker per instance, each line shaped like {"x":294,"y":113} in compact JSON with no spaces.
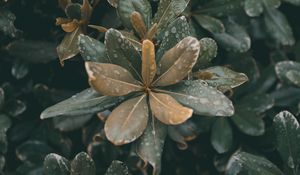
{"x":86,"y":11}
{"x":166,"y":109}
{"x":110,"y":79}
{"x":70,"y":26}
{"x":138,"y":24}
{"x":128,"y":121}
{"x":148,"y":62}
{"x":178,"y":62}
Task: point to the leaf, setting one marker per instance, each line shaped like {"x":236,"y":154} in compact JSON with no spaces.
{"x":272,"y":3}
{"x":63,"y":3}
{"x":221,"y":8}
{"x":85,"y":102}
{"x":167,"y":12}
{"x":178,"y":62}
{"x":257,"y":102}
{"x":209,"y":23}
{"x":203,"y":99}
{"x":148,"y":62}
{"x":150,"y":145}
{"x":174,"y":33}
{"x":138,"y":24}
{"x":288,"y":72}
{"x":126,"y":7}
{"x":113,"y":3}
{"x":235,"y":38}
{"x":278,"y":27}
{"x":286,"y":96}
{"x":128,"y":121}
{"x":251,"y":165}
{"x":32,"y":51}
{"x":122,"y":52}
{"x":91,"y":49}
{"x":69,"y":123}
{"x":7,"y":22}
{"x":117,"y":168}
{"x":110,"y":79}
{"x":288,"y":139}
{"x":86,"y":12}
{"x":2,"y":98}
{"x":248,"y":122}
{"x":295,"y":2}
{"x":5,"y":122}
{"x":209,"y":50}
{"x":221,"y":78}
{"x":15,"y":107}
{"x":166,"y":109}
{"x":68,"y":47}
{"x":33,"y":151}
{"x":73,"y":11}
{"x":221,"y":135}
{"x":253,"y":8}
{"x":19,"y":69}
{"x":83,"y":164}
{"x":55,"y":164}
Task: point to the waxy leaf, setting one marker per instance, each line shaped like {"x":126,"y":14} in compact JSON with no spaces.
{"x":122,"y":52}
{"x":221,"y":8}
{"x":251,"y":165}
{"x":167,"y":11}
{"x":178,"y":62}
{"x":288,"y":72}
{"x":117,"y":168}
{"x":7,"y":22}
{"x":209,"y":50}
{"x":175,"y":32}
{"x":91,"y":49}
{"x":110,"y":79}
{"x":150,"y":145}
{"x":257,"y":102}
{"x":128,"y":121}
{"x":126,"y":7}
{"x":138,"y":24}
{"x":83,"y":164}
{"x":278,"y":27}
{"x":209,"y":23}
{"x":203,"y":99}
{"x":166,"y":109}
{"x":73,"y":11}
{"x":253,"y":8}
{"x":148,"y":62}
{"x":295,"y":2}
{"x":70,"y":123}
{"x":85,"y":102}
{"x":288,"y":139}
{"x":68,"y":47}
{"x":56,"y":165}
{"x":221,"y":135}
{"x":221,"y":78}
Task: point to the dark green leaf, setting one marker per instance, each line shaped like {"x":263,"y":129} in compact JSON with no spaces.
{"x":288,"y":139}
{"x":295,"y":2}
{"x":15,"y":107}
{"x":253,"y":8}
{"x":221,"y":135}
{"x":83,"y":164}
{"x":245,"y":163}
{"x":286,"y":96}
{"x":209,"y":23}
{"x":19,"y":69}
{"x":257,"y":103}
{"x":288,"y":72}
{"x":69,"y":123}
{"x":221,"y":7}
{"x":56,"y":165}
{"x":5,"y":122}
{"x":209,"y":50}
{"x":7,"y":22}
{"x":117,"y":168}
{"x":92,"y":49}
{"x":73,"y":11}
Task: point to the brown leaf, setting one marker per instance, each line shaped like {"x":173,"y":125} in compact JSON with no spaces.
{"x":86,"y":11}
{"x":166,"y":109}
{"x":99,"y":28}
{"x":111,"y":79}
{"x":178,"y":62}
{"x":59,"y":21}
{"x":152,"y":32}
{"x":148,"y":62}
{"x":138,"y":24}
{"x":68,"y":47}
{"x":128,"y":121}
{"x":70,"y":26}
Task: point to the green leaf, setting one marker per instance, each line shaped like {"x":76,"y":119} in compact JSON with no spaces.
{"x":83,"y":164}
{"x":150,"y":145}
{"x":117,"y":168}
{"x":2,"y":98}
{"x":288,"y":139}
{"x":209,"y":23}
{"x":248,"y":122}
{"x":68,"y":48}
{"x":32,"y":51}
{"x":278,"y":27}
{"x":126,"y":7}
{"x":221,"y":135}
{"x":204,"y":99}
{"x":253,"y":8}
{"x":33,"y":151}
{"x":113,"y":3}
{"x":175,"y":32}
{"x":85,"y":102}
{"x":221,"y":78}
{"x":235,"y":37}
{"x":286,"y":96}
{"x":272,"y":3}
{"x":209,"y":50}
{"x":55,"y":164}
{"x":221,"y":8}
{"x":288,"y":72}
{"x":245,"y":163}
{"x":167,"y":12}
{"x":295,"y":2}
{"x":7,"y":22}
{"x":92,"y":49}
{"x":121,"y":52}
{"x":69,"y":123}
{"x":2,"y":163}
{"x":73,"y":11}
{"x":257,"y":102}
{"x":5,"y":122}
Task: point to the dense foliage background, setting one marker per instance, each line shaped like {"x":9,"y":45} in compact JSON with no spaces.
{"x":257,"y":37}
